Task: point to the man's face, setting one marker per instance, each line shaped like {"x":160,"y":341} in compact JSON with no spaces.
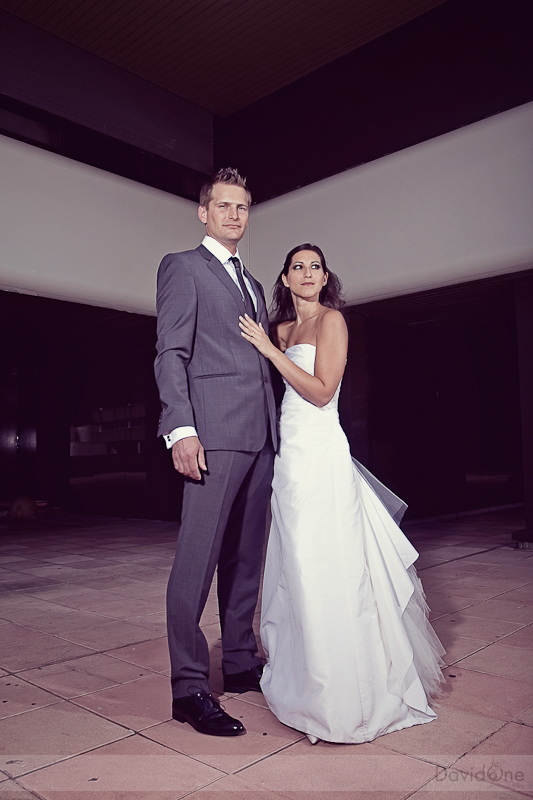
{"x":226,"y":217}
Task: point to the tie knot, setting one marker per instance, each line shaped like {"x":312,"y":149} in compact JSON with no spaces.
{"x":236,"y":263}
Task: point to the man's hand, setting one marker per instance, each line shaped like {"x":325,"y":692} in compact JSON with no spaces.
{"x":189,"y":457}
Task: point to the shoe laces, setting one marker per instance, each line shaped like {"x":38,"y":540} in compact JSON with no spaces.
{"x":214,"y":709}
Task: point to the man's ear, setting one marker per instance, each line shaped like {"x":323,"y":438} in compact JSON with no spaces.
{"x":202,"y":214}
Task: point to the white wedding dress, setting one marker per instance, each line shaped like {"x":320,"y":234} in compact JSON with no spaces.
{"x":351,"y":654}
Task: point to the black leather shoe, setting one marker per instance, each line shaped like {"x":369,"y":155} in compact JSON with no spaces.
{"x":204,"y":713}
{"x":247,"y":681}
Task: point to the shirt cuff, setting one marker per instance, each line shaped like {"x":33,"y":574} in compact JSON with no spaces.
{"x":177,"y":434}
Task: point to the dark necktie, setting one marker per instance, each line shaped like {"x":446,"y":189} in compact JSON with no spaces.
{"x":248,"y":302}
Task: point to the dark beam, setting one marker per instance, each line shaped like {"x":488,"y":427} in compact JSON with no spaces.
{"x":53,"y":76}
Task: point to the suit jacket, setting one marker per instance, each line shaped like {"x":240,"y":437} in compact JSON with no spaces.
{"x":208,"y":375}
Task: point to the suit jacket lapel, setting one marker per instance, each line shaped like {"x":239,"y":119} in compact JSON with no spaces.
{"x":261,"y":307}
{"x":218,"y":269}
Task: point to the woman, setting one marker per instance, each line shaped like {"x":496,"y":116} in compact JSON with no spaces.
{"x":351,"y":654}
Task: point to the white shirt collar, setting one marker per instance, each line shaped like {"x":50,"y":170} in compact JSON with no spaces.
{"x":218,"y":250}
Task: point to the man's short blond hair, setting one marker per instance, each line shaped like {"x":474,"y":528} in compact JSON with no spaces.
{"x":227,"y":175}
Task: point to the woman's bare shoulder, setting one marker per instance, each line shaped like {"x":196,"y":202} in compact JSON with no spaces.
{"x":332,"y":320}
{"x":282,"y":334}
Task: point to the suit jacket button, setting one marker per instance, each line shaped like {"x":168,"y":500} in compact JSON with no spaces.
{"x":265,"y":379}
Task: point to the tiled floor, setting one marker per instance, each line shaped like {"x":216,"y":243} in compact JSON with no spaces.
{"x":85,"y":696}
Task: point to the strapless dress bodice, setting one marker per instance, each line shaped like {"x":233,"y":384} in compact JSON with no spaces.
{"x":303,"y":355}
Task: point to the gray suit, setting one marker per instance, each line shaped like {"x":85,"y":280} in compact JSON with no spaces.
{"x":211,"y":378}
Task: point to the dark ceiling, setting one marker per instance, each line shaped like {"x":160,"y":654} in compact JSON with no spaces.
{"x":288,"y":91}
{"x":221,"y":55}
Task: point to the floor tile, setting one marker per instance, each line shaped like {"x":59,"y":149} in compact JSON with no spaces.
{"x":62,"y":558}
{"x":467,"y":566}
{"x":83,"y":675}
{"x":500,"y":556}
{"x":500,"y":659}
{"x":236,"y":788}
{"x":520,"y":596}
{"x":156,"y":622}
{"x":59,"y":621}
{"x":92,"y":599}
{"x":125,"y":608}
{"x":462,"y":623}
{"x":519,"y":569}
{"x":111,"y":635}
{"x":71,"y":596}
{"x":525,"y":717}
{"x":127,"y":587}
{"x":152,"y":655}
{"x":452,"y":784}
{"x":504,"y":608}
{"x":46,"y":735}
{"x":488,"y":695}
{"x":254,"y":698}
{"x":16,"y":581}
{"x":522,"y":638}
{"x":211,"y":607}
{"x":506,"y":758}
{"x":208,"y":619}
{"x":133,"y":767}
{"x":265,"y":735}
{"x":17,"y":696}
{"x":6,"y":559}
{"x":458,"y":647}
{"x":463,"y":587}
{"x":446,"y":602}
{"x":37,"y":651}
{"x":495,"y":580}
{"x":64,"y":572}
{"x":117,"y":571}
{"x":302,"y":769}
{"x":11,"y":790}
{"x":441,"y":742}
{"x":212,"y":634}
{"x":216,"y":679}
{"x":11,"y":632}
{"x":20,"y":608}
{"x":21,"y":564}
{"x":136,"y":705}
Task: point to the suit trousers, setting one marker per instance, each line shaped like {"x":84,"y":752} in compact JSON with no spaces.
{"x":223,"y":523}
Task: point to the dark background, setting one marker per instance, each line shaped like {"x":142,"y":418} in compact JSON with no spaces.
{"x":438,"y":395}
{"x":430,"y":402}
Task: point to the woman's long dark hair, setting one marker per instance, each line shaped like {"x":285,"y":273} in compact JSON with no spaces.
{"x":282,"y":308}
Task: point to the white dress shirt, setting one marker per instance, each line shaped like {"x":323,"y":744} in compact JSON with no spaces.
{"x":224,"y":256}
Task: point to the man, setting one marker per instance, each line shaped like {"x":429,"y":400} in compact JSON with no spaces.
{"x":219,"y":419}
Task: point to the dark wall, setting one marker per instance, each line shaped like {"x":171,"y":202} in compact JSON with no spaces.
{"x":434,"y":396}
{"x":430,"y":401}
{"x":67,"y":369}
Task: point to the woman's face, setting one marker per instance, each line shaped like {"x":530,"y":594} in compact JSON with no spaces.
{"x":305,"y":277}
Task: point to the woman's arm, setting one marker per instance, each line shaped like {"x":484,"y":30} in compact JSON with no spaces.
{"x":331,"y":350}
